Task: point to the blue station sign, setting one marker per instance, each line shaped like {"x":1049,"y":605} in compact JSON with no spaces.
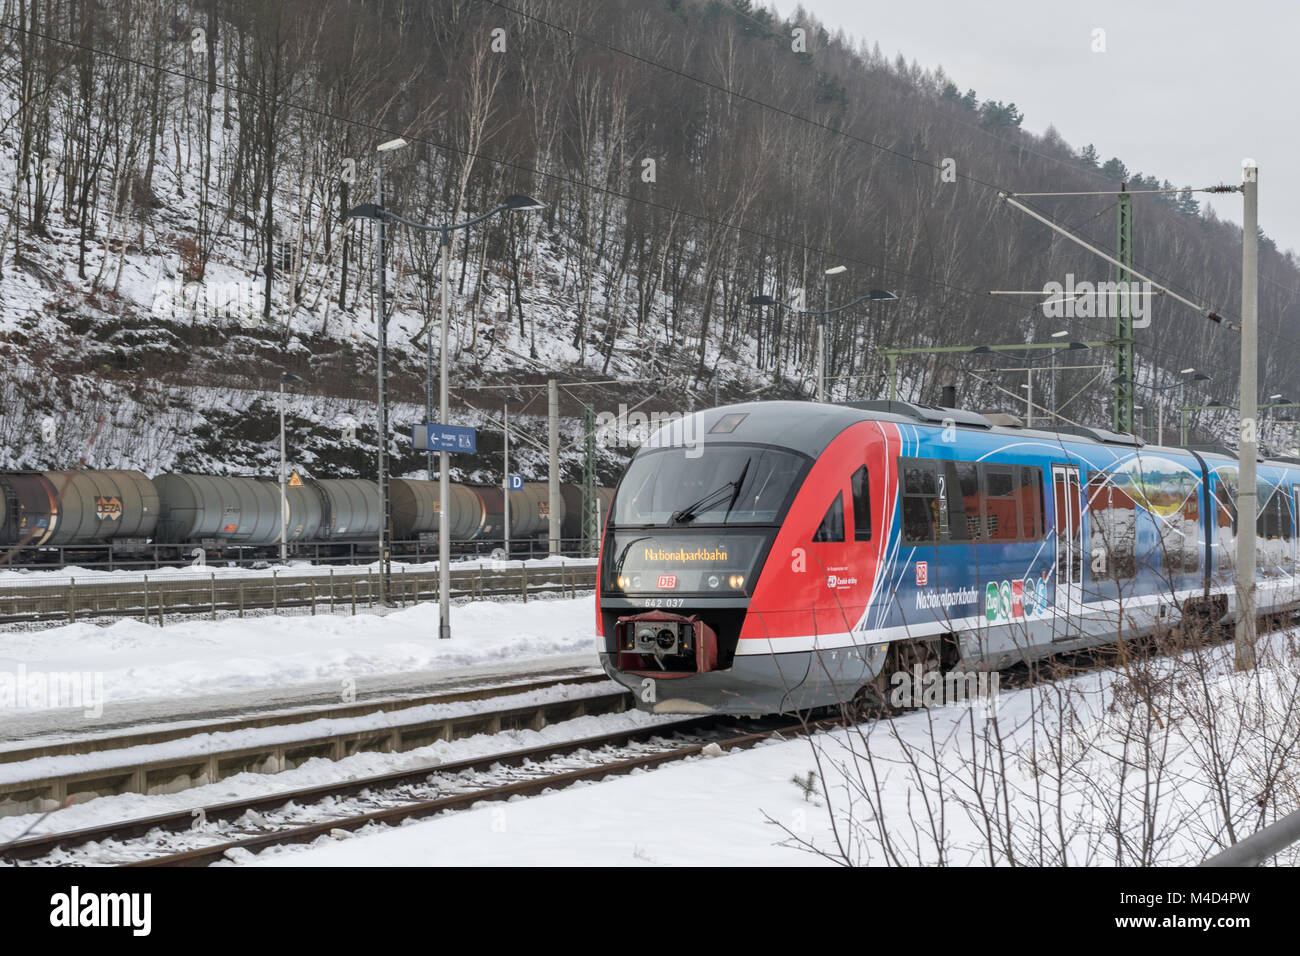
{"x":459,"y":438}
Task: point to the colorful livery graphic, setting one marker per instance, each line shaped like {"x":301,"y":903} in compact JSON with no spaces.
{"x":805,"y":551}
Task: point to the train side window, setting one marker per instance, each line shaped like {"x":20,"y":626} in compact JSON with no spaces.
{"x":1001,"y":507}
{"x":832,"y":526}
{"x":966,"y":501}
{"x":1274,"y":517}
{"x":1112,"y":525}
{"x":920,"y":504}
{"x":1226,"y":493}
{"x":1033,"y":515}
{"x":861,"y":487}
{"x":1267,"y":519}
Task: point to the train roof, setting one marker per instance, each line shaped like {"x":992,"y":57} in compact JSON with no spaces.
{"x":789,"y":424}
{"x":784,"y":424}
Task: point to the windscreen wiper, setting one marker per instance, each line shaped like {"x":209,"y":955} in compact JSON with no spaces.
{"x":622,"y":556}
{"x":689,"y":512}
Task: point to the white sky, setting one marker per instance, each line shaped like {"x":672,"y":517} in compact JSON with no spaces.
{"x":1185,"y":90}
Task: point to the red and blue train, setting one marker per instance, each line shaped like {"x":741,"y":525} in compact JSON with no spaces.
{"x":780,"y":556}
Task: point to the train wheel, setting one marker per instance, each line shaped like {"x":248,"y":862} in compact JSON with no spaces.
{"x":869,"y":703}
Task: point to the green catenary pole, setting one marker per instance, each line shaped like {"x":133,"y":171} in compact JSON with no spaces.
{"x":1122,"y":420}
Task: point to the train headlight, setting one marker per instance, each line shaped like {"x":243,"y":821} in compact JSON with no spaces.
{"x":714,"y":581}
{"x":623,"y":582}
{"x":737,"y":581}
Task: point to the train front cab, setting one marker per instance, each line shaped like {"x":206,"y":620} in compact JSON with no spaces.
{"x":732,"y":581}
{"x":675,"y":578}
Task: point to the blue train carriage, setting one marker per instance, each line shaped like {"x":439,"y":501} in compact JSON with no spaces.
{"x":1016,"y":543}
{"x":1278,"y":492}
{"x":1144,"y":558}
{"x":936,"y":538}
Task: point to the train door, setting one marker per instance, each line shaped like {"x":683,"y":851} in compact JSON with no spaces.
{"x":1069,"y":543}
{"x":1294,"y":519}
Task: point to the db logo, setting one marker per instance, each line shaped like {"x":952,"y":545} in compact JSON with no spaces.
{"x":831,"y":580}
{"x":667,"y":581}
{"x":922,"y":573}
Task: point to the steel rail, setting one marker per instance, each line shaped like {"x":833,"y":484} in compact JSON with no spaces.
{"x":394,"y":815}
{"x":179,"y":821}
{"x":170,"y":774}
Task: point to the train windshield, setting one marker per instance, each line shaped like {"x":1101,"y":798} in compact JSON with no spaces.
{"x":714,"y":485}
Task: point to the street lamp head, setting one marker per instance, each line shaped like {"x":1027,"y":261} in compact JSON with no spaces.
{"x":1077,"y":347}
{"x":391,"y":145}
{"x":518,"y":203}
{"x":881,"y":295}
{"x":981,"y":350}
{"x":1061,"y":334}
{"x":367,"y":210}
{"x":836,"y":270}
{"x":1119,"y":380}
{"x":289,"y":377}
{"x":1200,"y":377}
{"x":761,"y":300}
{"x":1186,"y":371}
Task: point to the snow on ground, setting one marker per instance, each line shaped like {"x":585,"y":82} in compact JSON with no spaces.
{"x":705,"y":811}
{"x":944,"y":785}
{"x":189,"y":657}
{"x":40,"y":768}
{"x":319,"y":771}
{"x":28,"y":578}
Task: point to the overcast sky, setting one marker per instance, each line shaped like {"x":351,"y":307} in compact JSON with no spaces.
{"x":1184,"y":90}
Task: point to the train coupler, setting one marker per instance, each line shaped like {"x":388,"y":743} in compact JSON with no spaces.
{"x":663,"y":644}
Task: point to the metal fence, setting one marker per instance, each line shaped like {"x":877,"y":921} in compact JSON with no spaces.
{"x":127,"y":556}
{"x":156,"y":597}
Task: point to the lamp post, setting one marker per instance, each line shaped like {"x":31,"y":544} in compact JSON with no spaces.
{"x":1051,"y":383}
{"x":381,"y":371}
{"x":284,"y":495}
{"x":821,"y":328}
{"x":1247,"y":494}
{"x":513,"y":203}
{"x":875,"y":295}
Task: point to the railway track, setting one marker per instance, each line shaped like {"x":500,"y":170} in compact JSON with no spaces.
{"x":200,"y":836}
{"x":207,"y":835}
{"x":406,"y":724}
{"x":213,"y":595}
